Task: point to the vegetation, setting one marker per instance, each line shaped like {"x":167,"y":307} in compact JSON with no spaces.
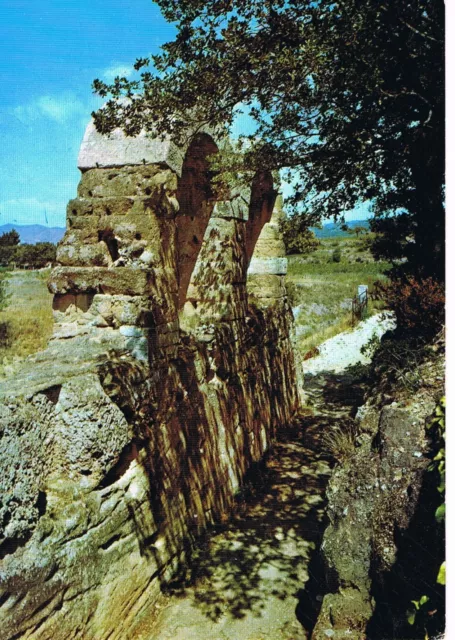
{"x":357,"y":230}
{"x":9,"y":243}
{"x":419,"y":306}
{"x":3,"y":294}
{"x":26,"y":320}
{"x":348,"y":97}
{"x":321,"y":290}
{"x":336,"y":255}
{"x":422,"y":611}
{"x":339,"y":441}
{"x":297,"y":237}
{"x":34,"y":256}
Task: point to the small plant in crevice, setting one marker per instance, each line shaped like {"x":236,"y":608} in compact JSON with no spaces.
{"x":339,"y":441}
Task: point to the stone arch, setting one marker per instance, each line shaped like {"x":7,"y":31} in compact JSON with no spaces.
{"x":196,"y":197}
{"x":260,"y":211}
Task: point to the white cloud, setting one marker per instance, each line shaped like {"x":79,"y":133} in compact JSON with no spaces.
{"x":59,"y":108}
{"x":120,"y":70}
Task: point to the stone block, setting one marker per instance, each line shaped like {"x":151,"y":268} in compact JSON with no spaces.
{"x":123,"y":310}
{"x":270,"y":243}
{"x":114,"y":182}
{"x":81,"y":207}
{"x":81,"y":303}
{"x":83,"y":255}
{"x":237,"y":208}
{"x":266,"y":286}
{"x":119,"y":150}
{"x":268,"y":266}
{"x":120,"y":280}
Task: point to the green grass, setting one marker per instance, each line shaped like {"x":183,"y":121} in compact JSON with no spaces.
{"x":26,"y":322}
{"x":323,"y":289}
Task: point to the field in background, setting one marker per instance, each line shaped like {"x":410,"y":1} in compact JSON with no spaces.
{"x":26,"y":322}
{"x":321,"y":290}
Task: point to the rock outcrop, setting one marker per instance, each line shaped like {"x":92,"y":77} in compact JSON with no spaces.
{"x":378,"y":510}
{"x":170,"y":368}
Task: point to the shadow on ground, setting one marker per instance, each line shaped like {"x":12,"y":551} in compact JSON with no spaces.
{"x":260,"y":577}
{"x":264,"y":552}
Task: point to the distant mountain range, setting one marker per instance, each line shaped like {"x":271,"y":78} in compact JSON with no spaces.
{"x":332,"y":229}
{"x":33,"y":233}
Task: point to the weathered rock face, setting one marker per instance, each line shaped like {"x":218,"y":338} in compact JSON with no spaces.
{"x":162,"y":384}
{"x":372,"y":499}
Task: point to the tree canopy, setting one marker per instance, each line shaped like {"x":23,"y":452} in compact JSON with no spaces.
{"x":34,"y":256}
{"x":10,"y":238}
{"x":347,"y":95}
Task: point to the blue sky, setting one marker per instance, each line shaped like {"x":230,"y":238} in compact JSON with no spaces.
{"x":50,"y":52}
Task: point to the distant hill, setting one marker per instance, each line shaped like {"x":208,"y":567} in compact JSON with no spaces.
{"x":332,"y":229}
{"x":33,"y":233}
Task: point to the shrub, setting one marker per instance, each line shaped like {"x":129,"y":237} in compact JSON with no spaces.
{"x":297,"y":237}
{"x":419,"y":305}
{"x":336,"y":255}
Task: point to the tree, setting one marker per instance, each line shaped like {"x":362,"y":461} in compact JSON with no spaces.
{"x":36,"y":255}
{"x":9,"y":238}
{"x":297,"y":237}
{"x":347,"y":95}
{"x":9,"y":243}
{"x":357,"y":230}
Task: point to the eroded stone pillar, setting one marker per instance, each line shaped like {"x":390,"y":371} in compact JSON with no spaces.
{"x":117,"y":259}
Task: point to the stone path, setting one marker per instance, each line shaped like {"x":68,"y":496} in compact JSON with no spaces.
{"x":258,"y":577}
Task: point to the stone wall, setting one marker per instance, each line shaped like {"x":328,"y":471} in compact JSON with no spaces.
{"x":169,"y":371}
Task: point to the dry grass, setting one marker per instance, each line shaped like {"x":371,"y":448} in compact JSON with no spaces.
{"x":27,"y":319}
{"x":339,"y":441}
{"x":321,"y":290}
{"x":319,"y":336}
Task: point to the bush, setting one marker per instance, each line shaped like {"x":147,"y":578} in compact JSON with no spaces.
{"x":336,"y":255}
{"x":419,"y":305}
{"x":297,"y":237}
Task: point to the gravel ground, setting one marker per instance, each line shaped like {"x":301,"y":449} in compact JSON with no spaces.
{"x":343,"y":350}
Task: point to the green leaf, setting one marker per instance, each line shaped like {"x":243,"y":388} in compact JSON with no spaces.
{"x":424,"y":599}
{"x":411,"y":616}
{"x":440,"y":513}
{"x":441,"y":579}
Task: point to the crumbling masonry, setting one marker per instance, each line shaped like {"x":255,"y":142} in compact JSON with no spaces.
{"x":170,"y":369}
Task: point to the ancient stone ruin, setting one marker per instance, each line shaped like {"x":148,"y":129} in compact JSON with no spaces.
{"x":170,"y":369}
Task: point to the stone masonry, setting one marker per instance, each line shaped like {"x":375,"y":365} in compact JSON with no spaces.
{"x":170,"y":369}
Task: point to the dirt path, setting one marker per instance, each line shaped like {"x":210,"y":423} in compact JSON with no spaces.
{"x":247,"y":576}
{"x":258,"y":577}
{"x":344,"y":349}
